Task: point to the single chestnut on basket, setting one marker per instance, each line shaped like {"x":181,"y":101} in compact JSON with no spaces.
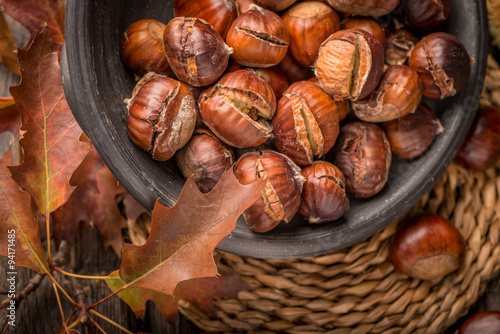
{"x":161,"y":115}
{"x":196,"y":52}
{"x":481,"y":148}
{"x":238,"y":108}
{"x":280,"y":197}
{"x":427,"y":247}
{"x":323,"y":198}
{"x":486,"y":322}
{"x":364,"y":7}
{"x":424,"y":15}
{"x":443,"y":64}
{"x":349,"y":64}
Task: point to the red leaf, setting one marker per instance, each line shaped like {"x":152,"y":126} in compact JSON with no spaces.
{"x":16,"y":217}
{"x":52,"y":150}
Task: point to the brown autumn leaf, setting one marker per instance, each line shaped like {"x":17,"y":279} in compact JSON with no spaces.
{"x":52,"y":149}
{"x":16,"y":217}
{"x":104,"y":211}
{"x":10,"y":120}
{"x":35,"y":14}
{"x":8,"y":48}
{"x":183,"y":237}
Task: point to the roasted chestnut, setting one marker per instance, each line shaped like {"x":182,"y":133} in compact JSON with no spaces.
{"x":397,"y":95}
{"x":274,"y":77}
{"x":424,"y":15}
{"x":486,"y":322}
{"x":306,"y":123}
{"x":363,"y":154}
{"x":220,"y":14}
{"x":243,"y":5}
{"x":205,"y":158}
{"x":411,"y":135}
{"x":443,"y":64}
{"x":309,"y":24}
{"x":293,"y":71}
{"x":481,"y":147}
{"x":364,"y":7}
{"x":350,"y":64}
{"x":258,"y":37}
{"x":275,"y":5}
{"x":323,"y":197}
{"x":399,"y":45}
{"x":427,"y":247}
{"x":237,"y":109}
{"x":196,"y":52}
{"x":367,"y":24}
{"x":141,"y":48}
{"x":162,"y":115}
{"x":280,"y":197}
{"x":342,"y":105}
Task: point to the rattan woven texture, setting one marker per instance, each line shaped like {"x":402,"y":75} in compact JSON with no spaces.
{"x":357,"y":290}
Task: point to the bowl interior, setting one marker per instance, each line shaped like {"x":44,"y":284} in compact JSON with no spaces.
{"x":96,"y":83}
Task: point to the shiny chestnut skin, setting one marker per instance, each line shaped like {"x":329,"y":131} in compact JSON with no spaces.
{"x":275,"y":5}
{"x":243,"y":5}
{"x":220,"y":14}
{"x":410,"y":136}
{"x":364,"y":7}
{"x":343,"y":107}
{"x":481,"y":147}
{"x":350,"y":64}
{"x":280,"y":197}
{"x":323,"y":198}
{"x":237,"y":109}
{"x":309,"y":24}
{"x":141,"y":48}
{"x":399,"y":45}
{"x":398,"y":94}
{"x":306,"y":123}
{"x":363,"y":154}
{"x":161,"y":116}
{"x":205,"y":158}
{"x":293,"y":71}
{"x":196,"y":52}
{"x":486,"y":322}
{"x":274,"y":77}
{"x":427,"y":247}
{"x":424,"y":15}
{"x":443,"y":64}
{"x":367,"y":24}
{"x":258,"y":37}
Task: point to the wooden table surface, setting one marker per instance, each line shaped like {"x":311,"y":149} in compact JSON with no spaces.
{"x":38,"y":313}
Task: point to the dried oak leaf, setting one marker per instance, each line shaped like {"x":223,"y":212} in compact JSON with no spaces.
{"x":8,"y":48}
{"x":183,"y":237}
{"x":16,"y":216}
{"x":10,"y":120}
{"x":51,"y":145}
{"x":35,"y":14}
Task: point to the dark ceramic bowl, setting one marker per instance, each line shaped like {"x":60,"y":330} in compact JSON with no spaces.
{"x":96,"y":83}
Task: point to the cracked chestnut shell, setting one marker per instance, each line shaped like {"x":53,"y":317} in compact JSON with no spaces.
{"x":443,"y":64}
{"x":481,"y":147}
{"x":398,"y":94}
{"x":323,"y":198}
{"x":196,"y":52}
{"x":309,"y":24}
{"x":161,"y":116}
{"x":258,"y":37}
{"x":410,"y":136}
{"x":280,"y":197}
{"x":205,"y":158}
{"x":367,"y":24}
{"x":363,"y":154}
{"x":306,"y":123}
{"x":141,"y":48}
{"x":424,"y":15}
{"x":350,"y":64}
{"x":364,"y":7}
{"x":342,"y":105}
{"x":399,"y":45}
{"x":220,"y":14}
{"x":427,"y":247}
{"x":237,"y":109}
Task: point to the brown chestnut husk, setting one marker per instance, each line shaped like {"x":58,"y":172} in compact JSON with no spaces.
{"x":424,"y":15}
{"x":411,"y":136}
{"x":486,"y":322}
{"x":196,"y":52}
{"x":398,"y":94}
{"x":323,"y":198}
{"x":363,"y":7}
{"x":363,"y":154}
{"x":481,"y":147}
{"x":280,"y":197}
{"x":162,"y":115}
{"x":399,"y":45}
{"x":350,"y":64}
{"x":427,"y":247}
{"x":443,"y":64}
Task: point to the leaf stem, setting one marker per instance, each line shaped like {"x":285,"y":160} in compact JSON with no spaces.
{"x":97,"y":325}
{"x":81,"y":276}
{"x":47,"y":228}
{"x":123,"y":329}
{"x":76,"y":322}
{"x":60,"y":308}
{"x":106,"y":298}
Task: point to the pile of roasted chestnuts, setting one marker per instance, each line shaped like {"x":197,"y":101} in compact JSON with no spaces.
{"x":315,"y":96}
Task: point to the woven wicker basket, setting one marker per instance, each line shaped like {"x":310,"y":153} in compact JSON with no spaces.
{"x":356,"y":290}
